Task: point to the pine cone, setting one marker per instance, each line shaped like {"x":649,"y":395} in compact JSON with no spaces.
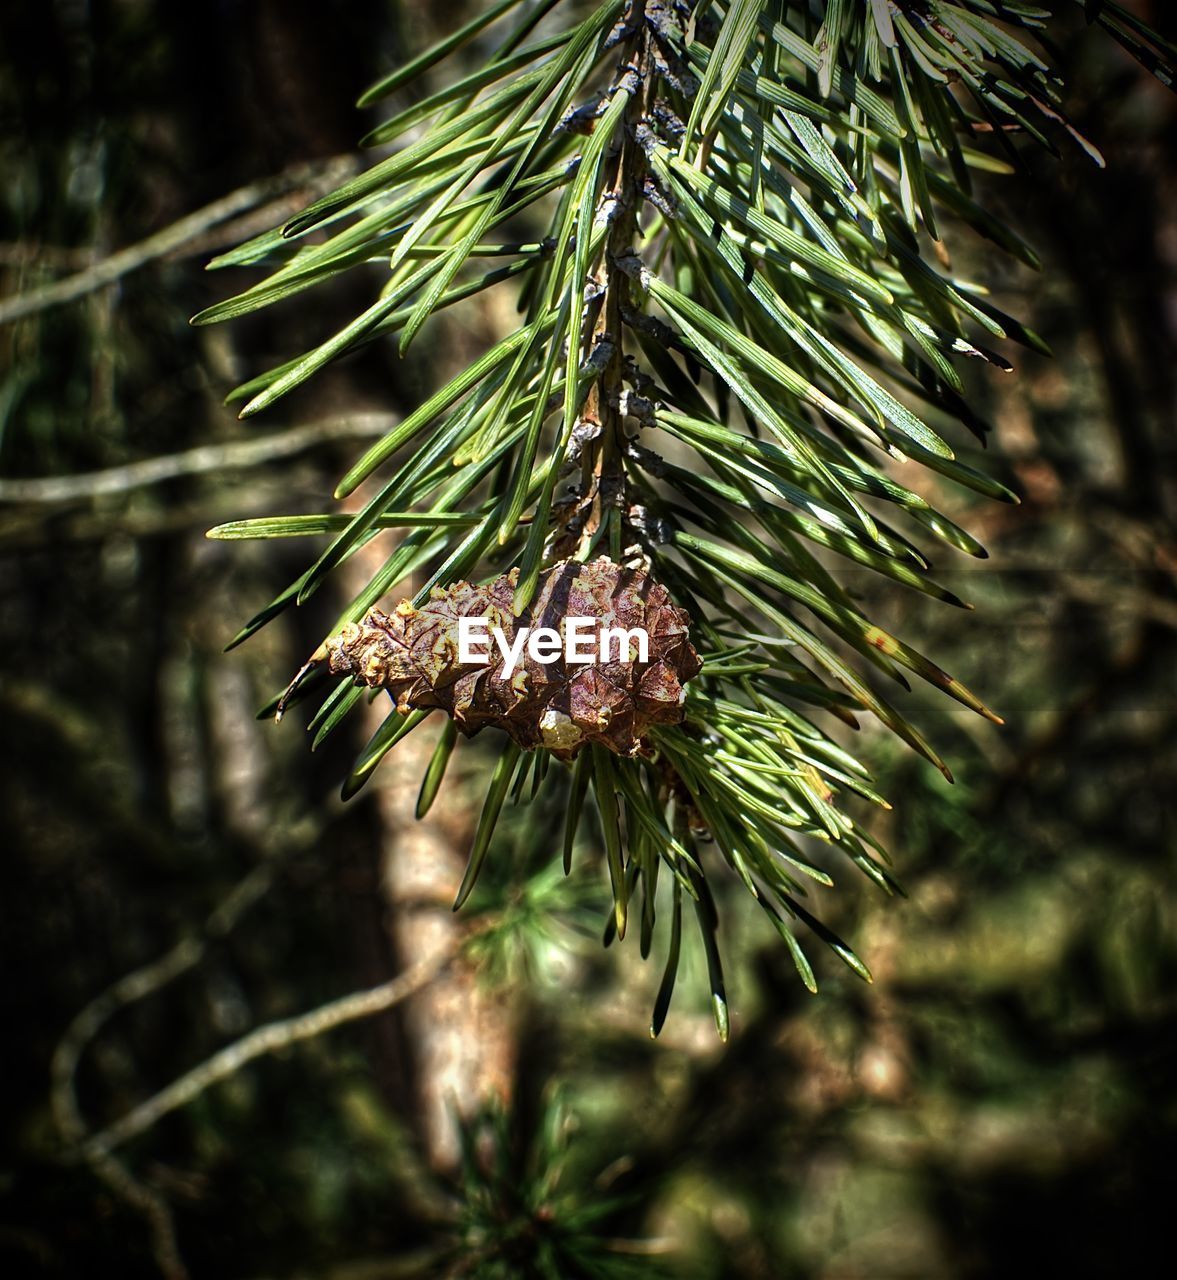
{"x":561,"y":704}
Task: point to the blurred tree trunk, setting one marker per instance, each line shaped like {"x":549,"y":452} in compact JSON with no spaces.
{"x":461,"y":1033}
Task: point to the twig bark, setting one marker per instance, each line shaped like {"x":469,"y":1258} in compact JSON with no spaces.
{"x":602,"y":475}
{"x":200,"y":461}
{"x":165,"y":1247}
{"x":136,"y":986}
{"x":319,"y":175}
{"x":268,"y":1039}
{"x":142,"y":982}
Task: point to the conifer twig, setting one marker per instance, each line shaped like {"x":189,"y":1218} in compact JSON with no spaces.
{"x":602,"y":476}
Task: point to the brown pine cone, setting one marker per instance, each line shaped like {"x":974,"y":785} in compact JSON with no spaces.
{"x":561,"y":704}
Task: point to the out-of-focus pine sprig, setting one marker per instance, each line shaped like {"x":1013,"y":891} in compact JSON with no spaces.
{"x":520,"y":1213}
{"x":721,"y":221}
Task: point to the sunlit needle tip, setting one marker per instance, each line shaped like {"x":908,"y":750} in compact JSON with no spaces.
{"x":314,"y":660}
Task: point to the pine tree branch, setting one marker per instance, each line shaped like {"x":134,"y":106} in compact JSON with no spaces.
{"x":602,"y":476}
{"x":801,"y":334}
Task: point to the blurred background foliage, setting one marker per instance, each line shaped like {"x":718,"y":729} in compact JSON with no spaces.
{"x":999,"y":1102}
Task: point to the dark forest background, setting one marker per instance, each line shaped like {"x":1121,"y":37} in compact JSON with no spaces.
{"x":1000,"y":1102}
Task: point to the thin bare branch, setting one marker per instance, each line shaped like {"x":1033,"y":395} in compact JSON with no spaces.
{"x":54,"y":257}
{"x":317,"y":176}
{"x":268,"y":1039}
{"x":134,"y":987}
{"x":165,"y":1248}
{"x":237,"y":456}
